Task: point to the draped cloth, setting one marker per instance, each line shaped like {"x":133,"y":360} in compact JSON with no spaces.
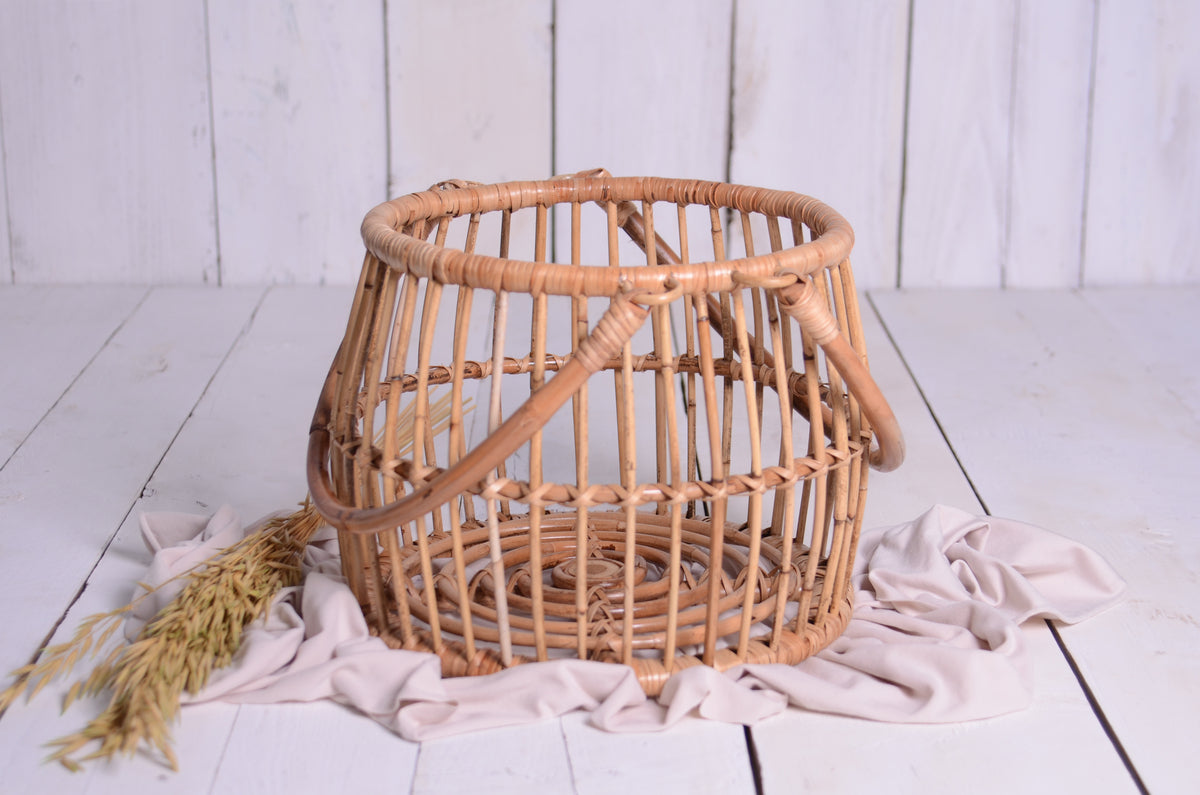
{"x":935,"y":637}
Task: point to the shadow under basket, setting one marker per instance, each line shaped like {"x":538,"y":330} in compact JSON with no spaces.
{"x":522,"y":468}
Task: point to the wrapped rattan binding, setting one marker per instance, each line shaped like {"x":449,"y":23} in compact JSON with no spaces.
{"x":699,"y":504}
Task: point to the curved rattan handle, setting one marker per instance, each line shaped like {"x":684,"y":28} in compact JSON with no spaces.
{"x":801,"y":301}
{"x":616,"y":327}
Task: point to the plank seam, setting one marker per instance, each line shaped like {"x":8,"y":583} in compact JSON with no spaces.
{"x":1097,"y":711}
{"x":904,"y":146}
{"x":412,"y":781}
{"x":1006,"y":245}
{"x":216,"y":771}
{"x":153,"y":470}
{"x":12,"y":263}
{"x":562,"y":729}
{"x":387,"y":105}
{"x":1087,"y":146}
{"x":116,"y":330}
{"x":212,"y":148}
{"x":730,"y":95}
{"x":928,"y":406}
{"x":755,"y":764}
{"x":554,"y":122}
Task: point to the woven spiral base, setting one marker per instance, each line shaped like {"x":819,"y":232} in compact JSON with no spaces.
{"x":608,"y":553}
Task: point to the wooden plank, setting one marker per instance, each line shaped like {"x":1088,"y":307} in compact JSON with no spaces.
{"x":243,"y":445}
{"x":1036,"y":750}
{"x":76,"y":479}
{"x":476,"y":106}
{"x":818,"y":107}
{"x":318,"y":747}
{"x":1140,"y":219}
{"x":1052,"y":82}
{"x":76,"y":476}
{"x":1153,"y":321}
{"x":1059,"y":421}
{"x":807,"y":751}
{"x":957,"y":153}
{"x":500,"y":761}
{"x":300,"y":128}
{"x":6,"y":269}
{"x":47,"y":337}
{"x":662,"y":67}
{"x":107,"y":139}
{"x":692,"y":756}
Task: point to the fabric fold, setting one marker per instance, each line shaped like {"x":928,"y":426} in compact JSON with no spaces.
{"x":934,"y":637}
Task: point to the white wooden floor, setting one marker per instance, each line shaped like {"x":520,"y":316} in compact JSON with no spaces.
{"x":1079,"y":411}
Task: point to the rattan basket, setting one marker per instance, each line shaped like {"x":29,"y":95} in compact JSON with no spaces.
{"x":664,"y":494}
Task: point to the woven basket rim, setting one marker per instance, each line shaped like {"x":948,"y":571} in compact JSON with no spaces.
{"x":382,"y":233}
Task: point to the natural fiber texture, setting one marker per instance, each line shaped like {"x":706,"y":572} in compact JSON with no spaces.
{"x":194,"y":626}
{"x":700,"y":504}
{"x":934,"y":637}
{"x":199,"y":630}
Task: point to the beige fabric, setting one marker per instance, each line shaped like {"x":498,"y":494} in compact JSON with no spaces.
{"x":935,"y":637}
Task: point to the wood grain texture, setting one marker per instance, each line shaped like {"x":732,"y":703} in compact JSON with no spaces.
{"x":522,"y":760}
{"x":653,"y":100}
{"x":818,"y":108}
{"x":922,"y":759}
{"x":1061,"y":421}
{"x":317,"y":747}
{"x":300,"y":132}
{"x":1051,"y":91}
{"x":1144,"y":185}
{"x":957,"y":152}
{"x":106,"y":133}
{"x":118,"y":418}
{"x":469,"y":91}
{"x":1055,"y":745}
{"x":243,"y":445}
{"x":654,"y":103}
{"x":51,"y":335}
{"x":6,"y":270}
{"x":1154,"y":321}
{"x":60,"y":508}
{"x":693,"y":756}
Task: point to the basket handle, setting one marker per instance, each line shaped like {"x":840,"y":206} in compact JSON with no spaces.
{"x":615,"y":327}
{"x":800,"y":300}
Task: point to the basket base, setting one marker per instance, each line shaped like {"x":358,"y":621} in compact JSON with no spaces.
{"x":652,"y":673}
{"x":469,"y":638}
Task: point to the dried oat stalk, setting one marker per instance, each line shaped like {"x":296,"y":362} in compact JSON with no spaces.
{"x":199,"y":631}
{"x":196,"y":633}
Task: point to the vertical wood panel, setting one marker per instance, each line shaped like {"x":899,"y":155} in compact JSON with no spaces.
{"x":956,"y":172}
{"x":300,"y":131}
{"x":651,"y":100}
{"x":106,"y":130}
{"x":1144,"y":184}
{"x":643,"y":88}
{"x":819,"y":109}
{"x":1044,"y":397}
{"x":469,"y":89}
{"x":6,"y":272}
{"x":1053,"y":53}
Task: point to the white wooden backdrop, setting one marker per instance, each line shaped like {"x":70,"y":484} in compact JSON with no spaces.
{"x":1002,"y":143}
